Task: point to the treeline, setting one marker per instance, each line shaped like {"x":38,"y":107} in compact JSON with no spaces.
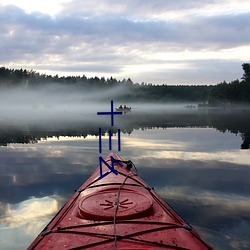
{"x":237,"y":91}
{"x":234,"y":92}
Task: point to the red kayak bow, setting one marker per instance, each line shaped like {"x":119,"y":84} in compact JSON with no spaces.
{"x":117,"y":212}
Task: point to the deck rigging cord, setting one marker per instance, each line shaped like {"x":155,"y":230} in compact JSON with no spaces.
{"x":129,"y":164}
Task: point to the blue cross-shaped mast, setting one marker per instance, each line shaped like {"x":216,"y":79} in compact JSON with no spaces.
{"x":112,"y":113}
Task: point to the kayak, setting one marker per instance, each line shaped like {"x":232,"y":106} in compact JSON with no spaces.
{"x":116,"y":209}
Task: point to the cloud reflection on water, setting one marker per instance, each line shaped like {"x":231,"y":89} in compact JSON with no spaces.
{"x":226,"y":216}
{"x":185,"y":139}
{"x":198,"y":171}
{"x":234,"y":156}
{"x":29,"y":210}
{"x":22,"y":222}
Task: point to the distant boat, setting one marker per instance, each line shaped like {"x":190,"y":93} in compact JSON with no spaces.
{"x":124,"y":109}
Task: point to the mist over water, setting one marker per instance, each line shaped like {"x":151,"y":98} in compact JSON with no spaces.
{"x":191,"y":156}
{"x":57,"y":109}
{"x":56,"y":102}
{"x":64,"y":103}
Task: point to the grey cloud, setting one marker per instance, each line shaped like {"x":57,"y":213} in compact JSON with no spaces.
{"x":220,"y":31}
{"x":201,"y":31}
{"x":209,"y":71}
{"x":134,"y":8}
{"x":85,"y":68}
{"x":98,"y":39}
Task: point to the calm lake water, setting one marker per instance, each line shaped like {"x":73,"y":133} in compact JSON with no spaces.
{"x":197,"y":160}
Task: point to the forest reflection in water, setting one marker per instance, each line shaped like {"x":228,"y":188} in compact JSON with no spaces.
{"x":193,"y":159}
{"x":235,"y":121}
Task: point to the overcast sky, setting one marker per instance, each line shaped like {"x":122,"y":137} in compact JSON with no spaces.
{"x":154,"y":41}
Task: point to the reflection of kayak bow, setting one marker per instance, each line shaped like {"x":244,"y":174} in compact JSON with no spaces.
{"x":117,"y":212}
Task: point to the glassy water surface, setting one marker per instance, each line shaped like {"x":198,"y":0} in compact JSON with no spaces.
{"x":197,"y":160}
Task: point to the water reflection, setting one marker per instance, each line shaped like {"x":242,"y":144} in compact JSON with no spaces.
{"x":193,"y":161}
{"x":33,"y":209}
{"x":233,"y":121}
{"x":19,"y":222}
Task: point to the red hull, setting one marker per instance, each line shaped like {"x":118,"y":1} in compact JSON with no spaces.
{"x":117,"y":212}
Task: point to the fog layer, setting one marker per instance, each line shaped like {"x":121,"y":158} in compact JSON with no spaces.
{"x":60,"y":102}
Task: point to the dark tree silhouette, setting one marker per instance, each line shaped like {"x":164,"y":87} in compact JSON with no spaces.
{"x":223,"y":93}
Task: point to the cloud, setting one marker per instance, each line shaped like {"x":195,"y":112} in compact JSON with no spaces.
{"x":115,"y":38}
{"x":143,"y":10}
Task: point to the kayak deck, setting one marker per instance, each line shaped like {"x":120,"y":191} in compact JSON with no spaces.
{"x":117,"y":212}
